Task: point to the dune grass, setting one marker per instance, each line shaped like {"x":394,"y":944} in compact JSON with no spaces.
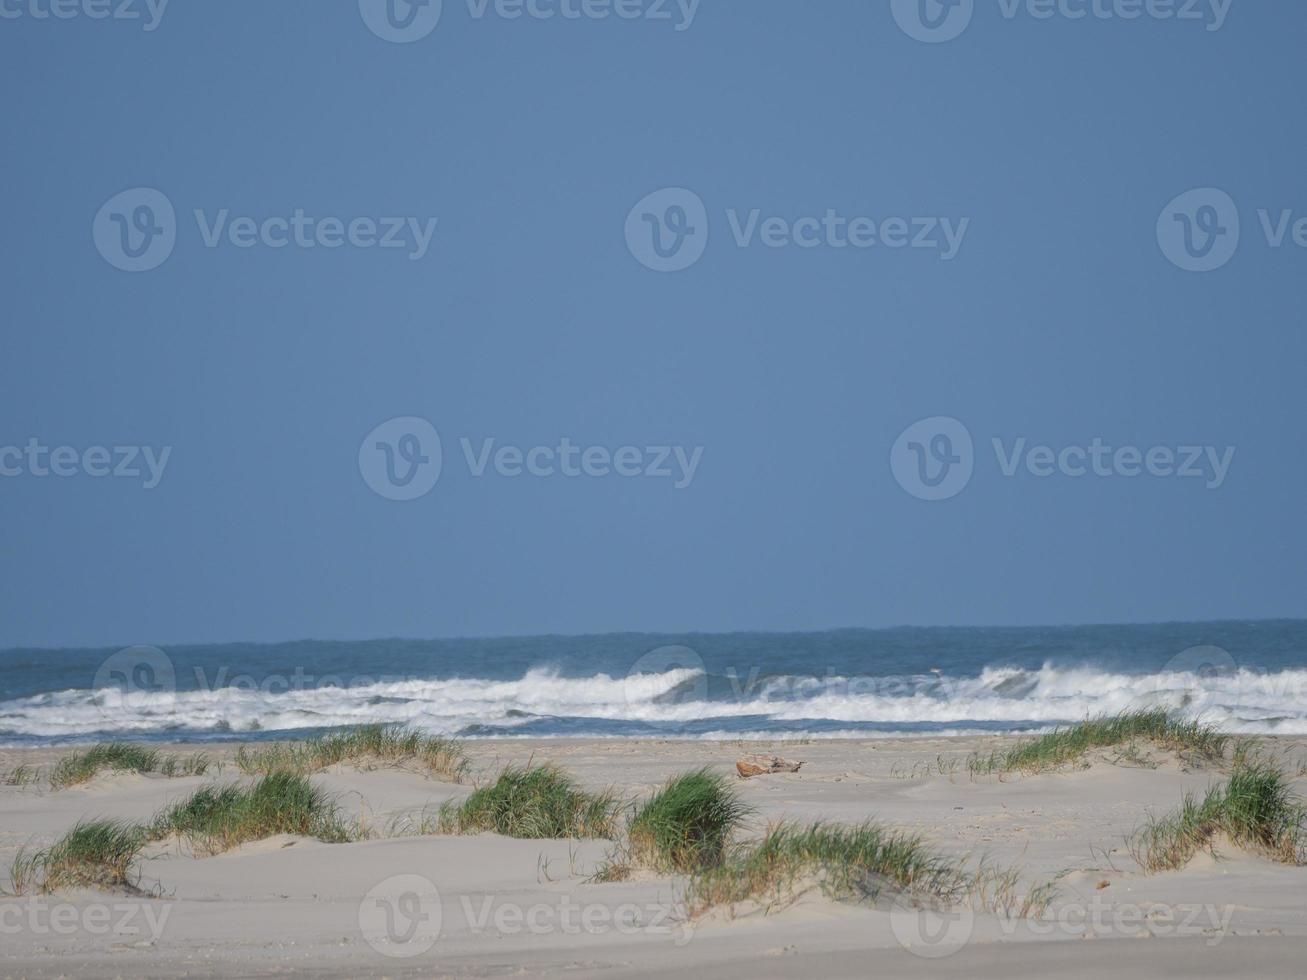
{"x":21,"y":775}
{"x":123,"y":757}
{"x":1255,"y":809}
{"x":218,"y":818}
{"x":862,"y":862}
{"x":854,"y":862}
{"x":1064,"y":746}
{"x":366,"y":744}
{"x":102,"y":853}
{"x":535,"y":802}
{"x":687,"y":825}
{"x":94,"y":854}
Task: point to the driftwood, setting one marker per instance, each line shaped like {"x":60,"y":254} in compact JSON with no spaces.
{"x":761,"y":765}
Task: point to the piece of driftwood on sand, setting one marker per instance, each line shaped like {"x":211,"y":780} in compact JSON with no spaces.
{"x":762,"y":765}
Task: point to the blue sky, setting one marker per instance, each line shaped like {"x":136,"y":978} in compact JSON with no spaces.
{"x":519,"y":167}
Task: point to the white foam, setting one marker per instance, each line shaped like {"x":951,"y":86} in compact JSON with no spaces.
{"x":1244,"y":702}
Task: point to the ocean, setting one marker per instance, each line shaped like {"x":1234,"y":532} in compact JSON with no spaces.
{"x":1243,"y":676}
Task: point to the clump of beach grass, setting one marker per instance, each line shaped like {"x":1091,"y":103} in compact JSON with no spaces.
{"x":998,"y":889}
{"x":420,"y":823}
{"x":862,"y":862}
{"x":535,"y":802}
{"x":123,"y":757}
{"x":943,"y":765}
{"x":1255,"y":809}
{"x":94,"y":854}
{"x":687,"y":825}
{"x":102,"y":853}
{"x":1068,"y":745}
{"x":848,"y":862}
{"x":114,"y":756}
{"x":175,"y":766}
{"x":21,"y":775}
{"x":364,"y":745}
{"x":218,"y":818}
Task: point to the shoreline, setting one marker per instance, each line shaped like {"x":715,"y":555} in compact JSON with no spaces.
{"x":229,"y":746}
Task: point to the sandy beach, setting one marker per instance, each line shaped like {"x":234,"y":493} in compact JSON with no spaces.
{"x":407,"y":903}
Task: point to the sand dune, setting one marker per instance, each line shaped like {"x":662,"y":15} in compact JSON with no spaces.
{"x":498,"y":906}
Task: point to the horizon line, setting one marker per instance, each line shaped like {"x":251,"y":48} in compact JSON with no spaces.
{"x":668,"y":633}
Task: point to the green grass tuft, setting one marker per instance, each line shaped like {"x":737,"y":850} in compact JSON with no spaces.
{"x":122,"y":757}
{"x":94,"y":854}
{"x":687,"y":825}
{"x":1256,"y":809}
{"x":218,"y":818}
{"x":848,"y":862}
{"x":102,"y":853}
{"x":864,"y":862}
{"x":535,"y":802}
{"x":366,"y":744}
{"x":1068,"y":745}
{"x":21,"y":775}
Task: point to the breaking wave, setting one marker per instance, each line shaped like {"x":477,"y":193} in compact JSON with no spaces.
{"x":682,"y":702}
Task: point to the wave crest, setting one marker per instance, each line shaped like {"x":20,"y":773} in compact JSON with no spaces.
{"x":1239,"y":701}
